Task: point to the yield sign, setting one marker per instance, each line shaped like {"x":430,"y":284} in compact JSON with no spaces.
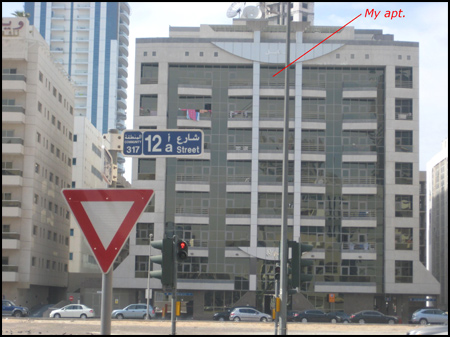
{"x":106,"y":217}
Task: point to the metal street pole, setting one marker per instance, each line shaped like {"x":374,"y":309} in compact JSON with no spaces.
{"x":150,"y":237}
{"x":107,"y":279}
{"x":174,"y":289}
{"x":284,"y":199}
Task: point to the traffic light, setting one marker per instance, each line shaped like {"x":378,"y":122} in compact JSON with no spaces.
{"x":277,"y":272}
{"x":297,"y":263}
{"x":166,"y":260}
{"x":182,"y":250}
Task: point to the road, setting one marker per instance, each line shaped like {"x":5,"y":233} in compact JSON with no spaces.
{"x":37,"y":326}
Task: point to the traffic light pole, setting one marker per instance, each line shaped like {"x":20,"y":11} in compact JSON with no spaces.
{"x":174,"y":288}
{"x":284,"y":243}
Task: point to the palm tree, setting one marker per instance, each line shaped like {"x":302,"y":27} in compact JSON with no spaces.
{"x":21,"y":14}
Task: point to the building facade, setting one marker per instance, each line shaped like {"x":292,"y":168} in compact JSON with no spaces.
{"x":437,"y":220}
{"x":37,"y":132}
{"x":90,"y":39}
{"x":353,"y":172}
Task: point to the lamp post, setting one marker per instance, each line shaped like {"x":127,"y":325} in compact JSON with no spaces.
{"x":284,"y":199}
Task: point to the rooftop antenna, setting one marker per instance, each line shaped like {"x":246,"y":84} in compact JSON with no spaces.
{"x":235,"y":8}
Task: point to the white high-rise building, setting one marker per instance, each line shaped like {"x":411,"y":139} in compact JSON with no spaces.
{"x":37,"y":133}
{"x":90,"y":39}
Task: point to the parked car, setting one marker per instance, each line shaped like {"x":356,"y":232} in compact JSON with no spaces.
{"x":225,"y":315}
{"x":430,"y":330}
{"x":345,"y":318}
{"x":372,"y":316}
{"x":73,"y":311}
{"x":316,"y":316}
{"x":249,"y":314}
{"x":133,"y":311}
{"x":10,"y":309}
{"x":291,"y":315}
{"x":429,"y":316}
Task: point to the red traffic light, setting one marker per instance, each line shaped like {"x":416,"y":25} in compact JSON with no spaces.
{"x":182,"y":250}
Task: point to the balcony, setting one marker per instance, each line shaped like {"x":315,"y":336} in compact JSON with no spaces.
{"x":359,"y":218}
{"x":192,"y":183}
{"x":11,"y":208}
{"x":13,"y":114}
{"x":195,"y":89}
{"x":192,"y":215}
{"x":11,"y":177}
{"x":10,"y":240}
{"x":359,"y":90}
{"x":10,"y":273}
{"x":358,"y":251}
{"x":14,"y":83}
{"x":239,"y":151}
{"x":12,"y":145}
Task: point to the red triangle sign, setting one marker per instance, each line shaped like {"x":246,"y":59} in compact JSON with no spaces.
{"x":106,"y":217}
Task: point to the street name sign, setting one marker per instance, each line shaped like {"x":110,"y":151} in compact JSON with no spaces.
{"x":106,"y":218}
{"x":163,"y":143}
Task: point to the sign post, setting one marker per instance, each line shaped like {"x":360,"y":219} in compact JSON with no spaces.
{"x":106,"y":218}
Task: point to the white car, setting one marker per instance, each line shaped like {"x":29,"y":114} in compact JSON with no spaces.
{"x":73,"y":311}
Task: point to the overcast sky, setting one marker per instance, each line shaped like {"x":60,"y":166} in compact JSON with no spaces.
{"x":424,"y":22}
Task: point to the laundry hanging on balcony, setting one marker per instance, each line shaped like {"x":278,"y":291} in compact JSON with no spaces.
{"x":194,"y":114}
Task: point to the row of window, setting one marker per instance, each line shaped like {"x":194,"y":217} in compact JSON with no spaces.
{"x":55,"y":92}
{"x":270,"y":172}
{"x":53,"y":178}
{"x":55,"y":122}
{"x":53,"y":149}
{"x":52,"y":236}
{"x":47,"y":264}
{"x":149,"y":75}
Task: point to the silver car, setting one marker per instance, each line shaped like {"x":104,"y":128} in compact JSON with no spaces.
{"x":249,"y":314}
{"x":133,"y":311}
{"x":429,"y":316}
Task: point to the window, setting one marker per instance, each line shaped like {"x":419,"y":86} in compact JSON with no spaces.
{"x":403,"y":206}
{"x":148,"y":105}
{"x":403,"y":109}
{"x":403,"y":77}
{"x":146,"y":169}
{"x":403,"y":238}
{"x":403,"y":141}
{"x":143,"y":230}
{"x":149,"y":73}
{"x":404,"y":173}
{"x":403,"y":271}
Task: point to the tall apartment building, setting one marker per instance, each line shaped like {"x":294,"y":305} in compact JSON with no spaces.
{"x":437,"y":220}
{"x":90,"y":39}
{"x":37,"y":132}
{"x":353,"y":172}
{"x":277,"y":11}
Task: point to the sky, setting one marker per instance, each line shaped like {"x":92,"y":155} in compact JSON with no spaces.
{"x":423,"y":22}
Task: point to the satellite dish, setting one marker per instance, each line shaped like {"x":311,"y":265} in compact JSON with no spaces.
{"x":251,"y":12}
{"x":235,"y":8}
